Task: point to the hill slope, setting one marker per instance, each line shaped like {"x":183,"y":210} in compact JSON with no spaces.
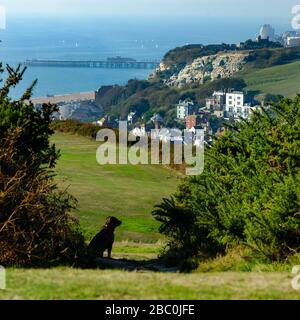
{"x":283,"y":79}
{"x":128,"y":192}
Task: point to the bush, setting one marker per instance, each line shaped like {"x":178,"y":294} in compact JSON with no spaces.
{"x":76,"y":127}
{"x":36,"y":228}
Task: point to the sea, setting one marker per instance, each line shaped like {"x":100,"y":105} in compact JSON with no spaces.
{"x":86,"y":38}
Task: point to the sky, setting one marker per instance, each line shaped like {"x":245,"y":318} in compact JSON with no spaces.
{"x":216,"y":8}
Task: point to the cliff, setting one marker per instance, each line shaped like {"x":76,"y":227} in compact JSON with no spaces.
{"x":194,"y":65}
{"x":209,"y":68}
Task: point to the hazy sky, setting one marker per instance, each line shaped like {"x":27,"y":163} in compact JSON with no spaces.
{"x":220,"y":8}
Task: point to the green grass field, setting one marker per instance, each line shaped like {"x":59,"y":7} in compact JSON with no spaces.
{"x":98,"y":284}
{"x":130,"y":193}
{"x":283,"y":79}
{"x":125,"y":191}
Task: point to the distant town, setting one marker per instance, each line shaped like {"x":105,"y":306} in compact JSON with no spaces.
{"x":227,"y":105}
{"x":223,"y":106}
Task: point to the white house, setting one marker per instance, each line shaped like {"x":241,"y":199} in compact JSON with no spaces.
{"x":234,"y":100}
{"x":236,"y":106}
{"x":184,"y":109}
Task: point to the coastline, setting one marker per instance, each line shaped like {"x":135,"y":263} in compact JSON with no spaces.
{"x":64,"y":98}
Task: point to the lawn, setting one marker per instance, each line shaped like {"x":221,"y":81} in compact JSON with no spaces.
{"x":125,"y":191}
{"x":283,"y":79}
{"x":97,"y":284}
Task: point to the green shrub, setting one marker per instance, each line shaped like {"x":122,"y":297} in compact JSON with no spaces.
{"x":76,"y":127}
{"x":36,"y":228}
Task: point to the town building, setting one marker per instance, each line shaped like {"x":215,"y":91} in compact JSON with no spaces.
{"x":216,"y":101}
{"x":243,"y":112}
{"x":267,"y":32}
{"x":293,"y":41}
{"x":132,"y":117}
{"x":145,"y":129}
{"x":236,"y":107}
{"x":289,"y":38}
{"x":234,"y":100}
{"x":205,"y":128}
{"x":184,"y":109}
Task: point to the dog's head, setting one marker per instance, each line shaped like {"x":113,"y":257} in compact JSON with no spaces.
{"x":113,"y":222}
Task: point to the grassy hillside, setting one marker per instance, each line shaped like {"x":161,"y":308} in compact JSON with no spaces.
{"x":128,"y":192}
{"x":283,"y":79}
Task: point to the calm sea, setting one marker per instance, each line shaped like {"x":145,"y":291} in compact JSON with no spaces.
{"x":99,"y":38}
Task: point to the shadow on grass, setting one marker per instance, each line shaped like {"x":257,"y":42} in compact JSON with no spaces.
{"x":154,"y":265}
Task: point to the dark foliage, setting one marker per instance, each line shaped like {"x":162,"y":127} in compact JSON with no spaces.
{"x":260,"y":44}
{"x":36,"y":228}
{"x":76,"y":127}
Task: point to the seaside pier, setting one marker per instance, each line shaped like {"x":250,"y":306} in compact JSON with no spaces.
{"x":109,"y":63}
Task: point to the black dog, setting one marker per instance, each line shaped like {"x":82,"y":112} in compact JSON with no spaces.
{"x":105,"y":238}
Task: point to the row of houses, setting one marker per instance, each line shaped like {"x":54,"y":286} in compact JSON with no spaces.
{"x":167,"y":135}
{"x":232,"y":105}
{"x":227,"y":105}
{"x":224,"y":105}
{"x":194,"y":119}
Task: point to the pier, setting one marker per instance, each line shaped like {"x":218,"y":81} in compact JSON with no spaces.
{"x":110,"y":63}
